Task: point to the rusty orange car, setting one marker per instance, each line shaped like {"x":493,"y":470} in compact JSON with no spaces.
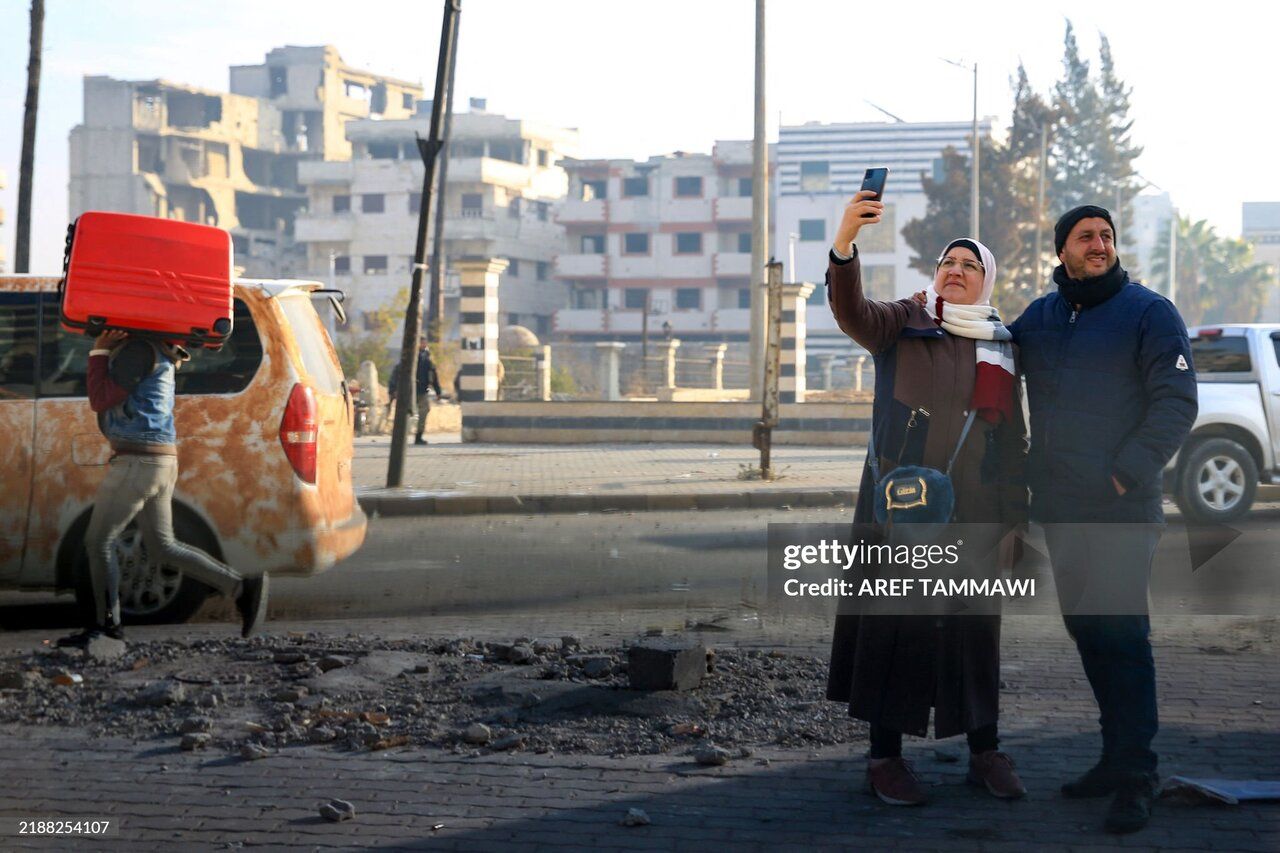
{"x":264,"y":449}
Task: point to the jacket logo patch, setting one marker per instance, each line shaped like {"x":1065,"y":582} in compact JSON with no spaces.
{"x":1182,"y":363}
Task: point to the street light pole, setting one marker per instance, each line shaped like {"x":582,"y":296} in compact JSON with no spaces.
{"x":759,"y":222}
{"x":976,"y":149}
{"x":428,"y":149}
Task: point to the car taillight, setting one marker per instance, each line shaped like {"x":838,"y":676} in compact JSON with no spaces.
{"x":299,"y":430}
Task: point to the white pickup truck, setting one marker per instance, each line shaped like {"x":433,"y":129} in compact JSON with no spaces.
{"x":1235,"y":443}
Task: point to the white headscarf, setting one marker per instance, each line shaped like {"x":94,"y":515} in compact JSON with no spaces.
{"x":981,"y":320}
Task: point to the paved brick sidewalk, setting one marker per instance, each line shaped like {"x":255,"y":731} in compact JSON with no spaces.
{"x":1219,"y":717}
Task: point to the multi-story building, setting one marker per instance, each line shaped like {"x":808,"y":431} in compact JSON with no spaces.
{"x":1261,"y":227}
{"x":667,"y":240}
{"x":3,"y":240}
{"x":228,"y":159}
{"x":1152,"y":217}
{"x":503,"y":182}
{"x":820,"y":166}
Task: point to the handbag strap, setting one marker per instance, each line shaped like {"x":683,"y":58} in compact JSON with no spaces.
{"x":873,"y":461}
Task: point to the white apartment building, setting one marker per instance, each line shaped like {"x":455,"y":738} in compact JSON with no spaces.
{"x":820,"y":166}
{"x":503,"y":182}
{"x":1152,"y":217}
{"x":667,"y":240}
{"x":1261,"y":226}
{"x":228,"y":159}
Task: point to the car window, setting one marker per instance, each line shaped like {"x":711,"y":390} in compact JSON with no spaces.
{"x":17,"y":345}
{"x":1221,"y":354}
{"x":318,"y":357}
{"x":64,"y":358}
{"x":228,"y":370}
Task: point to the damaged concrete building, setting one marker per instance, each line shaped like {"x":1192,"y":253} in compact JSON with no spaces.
{"x":229,"y":159}
{"x":504,"y":182}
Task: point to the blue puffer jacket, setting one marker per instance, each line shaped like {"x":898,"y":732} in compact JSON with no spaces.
{"x":1112,"y":392}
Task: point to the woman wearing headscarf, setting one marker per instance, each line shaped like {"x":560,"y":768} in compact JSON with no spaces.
{"x":947,"y":354}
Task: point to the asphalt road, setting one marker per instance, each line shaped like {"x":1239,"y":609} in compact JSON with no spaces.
{"x":614,"y":563}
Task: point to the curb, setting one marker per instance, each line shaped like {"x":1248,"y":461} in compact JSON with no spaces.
{"x":411,"y":502}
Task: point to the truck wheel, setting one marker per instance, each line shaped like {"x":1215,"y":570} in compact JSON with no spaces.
{"x":150,"y":595}
{"x":1217,"y":482}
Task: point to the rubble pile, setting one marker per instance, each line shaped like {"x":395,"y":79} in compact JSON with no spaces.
{"x":252,"y":697}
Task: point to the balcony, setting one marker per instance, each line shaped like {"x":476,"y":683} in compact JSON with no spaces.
{"x":733,"y":209}
{"x":583,"y":211}
{"x":487,"y":170}
{"x":324,"y":229}
{"x":319,"y":172}
{"x":580,"y":266}
{"x":732,"y":264}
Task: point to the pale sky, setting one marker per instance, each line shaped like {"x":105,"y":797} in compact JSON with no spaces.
{"x":646,"y":78}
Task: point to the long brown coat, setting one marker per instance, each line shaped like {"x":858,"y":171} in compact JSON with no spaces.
{"x":893,"y":669}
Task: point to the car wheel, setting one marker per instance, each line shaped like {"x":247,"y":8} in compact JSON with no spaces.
{"x":1217,"y":482}
{"x":150,"y":594}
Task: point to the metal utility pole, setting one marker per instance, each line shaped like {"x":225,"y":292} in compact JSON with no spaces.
{"x":26,"y":168}
{"x":428,"y":149}
{"x":759,"y":221}
{"x":977,"y":149}
{"x":762,"y":435}
{"x":1044,"y":155}
{"x":435,"y":302}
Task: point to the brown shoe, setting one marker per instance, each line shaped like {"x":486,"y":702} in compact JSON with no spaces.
{"x":894,"y":781}
{"x":994,"y":771}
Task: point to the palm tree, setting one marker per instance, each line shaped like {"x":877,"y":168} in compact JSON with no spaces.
{"x":1217,"y":278}
{"x":22,"y":249}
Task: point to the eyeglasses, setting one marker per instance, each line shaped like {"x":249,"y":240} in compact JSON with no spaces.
{"x":949,"y":264}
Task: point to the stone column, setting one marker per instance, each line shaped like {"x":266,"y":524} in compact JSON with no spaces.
{"x":667,"y":349}
{"x":542,"y":368}
{"x":791,"y":384}
{"x":478,"y":328}
{"x":607,"y":365}
{"x":826,"y":363}
{"x":717,"y":351}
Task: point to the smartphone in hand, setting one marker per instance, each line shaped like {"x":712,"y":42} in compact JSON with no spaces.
{"x":873,"y":181}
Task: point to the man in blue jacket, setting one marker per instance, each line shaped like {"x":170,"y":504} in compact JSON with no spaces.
{"x":1112,"y":393}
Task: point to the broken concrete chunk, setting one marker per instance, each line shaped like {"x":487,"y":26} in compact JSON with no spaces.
{"x":477,"y":733}
{"x":329,"y":662}
{"x":337,"y":811}
{"x":195,"y":724}
{"x":19,"y":680}
{"x":161,"y":693}
{"x":289,"y":657}
{"x":569,"y":642}
{"x":289,"y":694}
{"x":520,"y":654}
{"x":195,"y":740}
{"x":711,"y":756}
{"x":666,"y":664}
{"x":636,"y":817}
{"x":508,"y":742}
{"x":103,"y":649}
{"x":253,"y":751}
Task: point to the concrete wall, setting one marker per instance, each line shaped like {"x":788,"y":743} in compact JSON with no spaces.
{"x":827,"y":424}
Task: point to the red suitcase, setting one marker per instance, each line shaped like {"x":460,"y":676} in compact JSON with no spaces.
{"x":161,"y":278}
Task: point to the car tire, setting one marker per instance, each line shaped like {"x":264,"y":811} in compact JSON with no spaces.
{"x":1217,"y":482}
{"x":165,"y":595}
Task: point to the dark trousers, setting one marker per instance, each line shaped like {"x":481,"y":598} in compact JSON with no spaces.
{"x":1102,"y":571}
{"x":887,"y":743}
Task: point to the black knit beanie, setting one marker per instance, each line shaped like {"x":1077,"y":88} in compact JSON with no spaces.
{"x":1071,"y":217}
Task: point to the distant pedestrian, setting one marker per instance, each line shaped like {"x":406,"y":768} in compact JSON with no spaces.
{"x":427,"y":380}
{"x":131,"y":388}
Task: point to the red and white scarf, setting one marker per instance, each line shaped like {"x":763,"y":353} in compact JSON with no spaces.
{"x":994,"y":376}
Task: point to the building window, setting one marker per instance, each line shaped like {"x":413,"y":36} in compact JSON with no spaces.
{"x":373,"y":203}
{"x":415,"y":203}
{"x":406,"y":100}
{"x":511,"y":150}
{"x":592,"y":190}
{"x":815,"y":176}
{"x":384,"y":150}
{"x":744,"y":297}
{"x":543,"y":270}
{"x":883,"y":237}
{"x":513,"y":268}
{"x":341,"y":204}
{"x":635,"y":244}
{"x":744,"y":242}
{"x":541,"y":208}
{"x":688,"y":243}
{"x":689,"y":298}
{"x":279,"y":81}
{"x":590,"y":298}
{"x":813,"y":229}
{"x":342,"y":265}
{"x":513,"y":208}
{"x":593,"y":244}
{"x":633,"y":187}
{"x":544,"y":158}
{"x":744,"y":188}
{"x":689,"y":187}
{"x":634,"y":297}
{"x":375,"y":264}
{"x":472,"y":206}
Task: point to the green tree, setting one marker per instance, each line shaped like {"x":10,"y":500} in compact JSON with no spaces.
{"x":1218,"y":280}
{"x":375,"y":344}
